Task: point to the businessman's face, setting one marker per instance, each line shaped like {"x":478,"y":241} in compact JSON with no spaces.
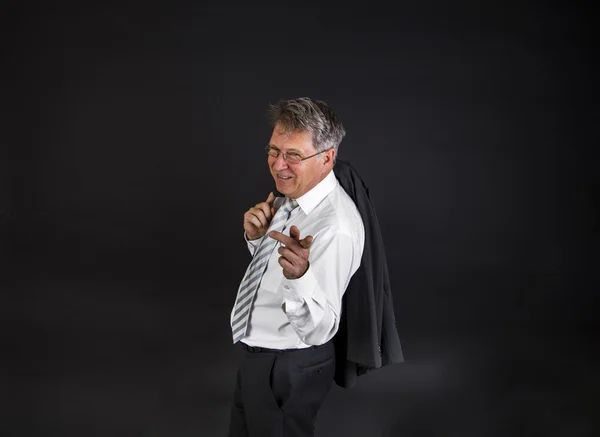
{"x":296,"y":178}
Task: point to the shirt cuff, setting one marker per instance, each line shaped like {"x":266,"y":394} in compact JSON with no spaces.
{"x":253,"y":244}
{"x":295,"y":291}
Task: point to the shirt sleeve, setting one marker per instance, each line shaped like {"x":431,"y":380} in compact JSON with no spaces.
{"x":253,"y":244}
{"x":313,"y":302}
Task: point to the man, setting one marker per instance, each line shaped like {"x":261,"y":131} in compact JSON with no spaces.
{"x":288,"y":306}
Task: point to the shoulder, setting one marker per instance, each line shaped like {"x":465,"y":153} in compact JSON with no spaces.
{"x":338,"y":211}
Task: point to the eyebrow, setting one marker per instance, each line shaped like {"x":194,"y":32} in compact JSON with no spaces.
{"x":299,"y":152}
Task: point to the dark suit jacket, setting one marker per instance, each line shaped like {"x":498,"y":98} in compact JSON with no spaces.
{"x":367,"y":338}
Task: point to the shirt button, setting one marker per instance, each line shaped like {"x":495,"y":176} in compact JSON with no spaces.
{"x":286,"y":287}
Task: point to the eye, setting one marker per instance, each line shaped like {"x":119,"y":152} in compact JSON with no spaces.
{"x":295,"y":156}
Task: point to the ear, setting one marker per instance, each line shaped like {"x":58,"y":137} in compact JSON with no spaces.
{"x":329,"y":156}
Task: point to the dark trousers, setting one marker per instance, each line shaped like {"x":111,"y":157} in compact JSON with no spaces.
{"x":279,"y":393}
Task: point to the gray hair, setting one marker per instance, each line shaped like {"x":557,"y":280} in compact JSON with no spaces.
{"x":309,"y":115}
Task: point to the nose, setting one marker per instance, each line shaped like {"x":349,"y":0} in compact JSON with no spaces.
{"x":280,"y":163}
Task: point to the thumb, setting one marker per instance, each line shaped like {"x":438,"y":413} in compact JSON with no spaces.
{"x":271,"y":198}
{"x":306,"y":242}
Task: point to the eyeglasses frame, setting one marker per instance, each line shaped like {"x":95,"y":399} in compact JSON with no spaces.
{"x":285,"y":155}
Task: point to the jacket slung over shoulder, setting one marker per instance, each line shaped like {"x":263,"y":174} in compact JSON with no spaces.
{"x":367,"y":337}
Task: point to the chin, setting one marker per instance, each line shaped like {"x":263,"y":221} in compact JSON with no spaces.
{"x":282,"y":190}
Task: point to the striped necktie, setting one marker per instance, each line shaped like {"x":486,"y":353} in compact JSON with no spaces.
{"x":255,"y":270}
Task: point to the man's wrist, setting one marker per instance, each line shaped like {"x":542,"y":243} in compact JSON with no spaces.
{"x":252,"y":239}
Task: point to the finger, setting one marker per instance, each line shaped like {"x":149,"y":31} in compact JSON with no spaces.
{"x":253,"y":220}
{"x":271,"y":198}
{"x":290,"y":270}
{"x":306,"y":242}
{"x":286,"y":266}
{"x":265,"y":209}
{"x":293,"y":251}
{"x":260,"y":215}
{"x":295,"y":232}
{"x":282,"y":238}
{"x":290,"y":255}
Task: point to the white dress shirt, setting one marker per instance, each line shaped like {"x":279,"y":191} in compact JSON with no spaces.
{"x":297,"y":313}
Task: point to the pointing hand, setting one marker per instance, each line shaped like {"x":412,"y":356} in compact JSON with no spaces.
{"x":294,"y":253}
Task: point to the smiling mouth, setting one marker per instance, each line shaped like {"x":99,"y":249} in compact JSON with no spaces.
{"x":285,"y":178}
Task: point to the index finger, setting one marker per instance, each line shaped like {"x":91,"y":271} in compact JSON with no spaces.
{"x":271,"y":198}
{"x":282,"y":238}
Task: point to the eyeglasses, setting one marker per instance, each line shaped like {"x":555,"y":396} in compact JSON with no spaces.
{"x":291,"y":157}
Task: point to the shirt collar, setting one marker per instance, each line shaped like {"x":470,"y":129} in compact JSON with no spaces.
{"x":308,"y":201}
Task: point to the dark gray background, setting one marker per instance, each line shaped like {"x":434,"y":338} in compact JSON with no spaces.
{"x":136,"y":137}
